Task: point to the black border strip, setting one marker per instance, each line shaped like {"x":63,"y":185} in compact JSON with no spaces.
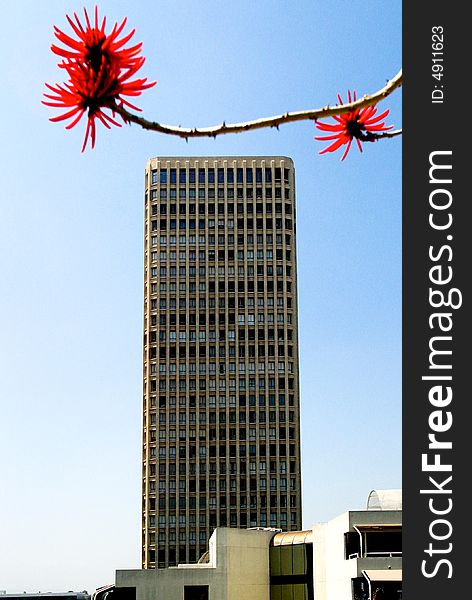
{"x":436,"y":260}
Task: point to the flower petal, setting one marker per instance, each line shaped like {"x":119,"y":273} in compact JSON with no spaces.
{"x":347,"y":150}
{"x":100,"y":70}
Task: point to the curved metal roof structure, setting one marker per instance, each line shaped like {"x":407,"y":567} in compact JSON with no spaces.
{"x":286,"y":538}
{"x":385,"y":500}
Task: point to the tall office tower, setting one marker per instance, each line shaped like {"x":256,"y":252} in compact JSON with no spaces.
{"x":221,"y":429}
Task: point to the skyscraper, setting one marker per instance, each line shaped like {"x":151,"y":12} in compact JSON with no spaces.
{"x":221,"y":423}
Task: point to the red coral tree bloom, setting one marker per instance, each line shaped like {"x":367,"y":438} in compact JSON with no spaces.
{"x":360,"y":124}
{"x":99,"y":69}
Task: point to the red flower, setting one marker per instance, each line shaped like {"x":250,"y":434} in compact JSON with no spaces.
{"x":361,"y":124}
{"x":98,"y":70}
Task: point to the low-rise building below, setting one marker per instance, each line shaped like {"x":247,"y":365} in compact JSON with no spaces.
{"x":355,"y":556}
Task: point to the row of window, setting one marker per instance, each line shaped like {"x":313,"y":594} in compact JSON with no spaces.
{"x":203,"y":401}
{"x":220,"y":175}
{"x":232,"y":433}
{"x":230,"y":288}
{"x":268,"y":223}
{"x":230,"y":285}
{"x":221,"y":367}
{"x":272,"y":484}
{"x":260,"y":418}
{"x":182,"y":537}
{"x":230,"y":238}
{"x":171,"y":418}
{"x":189,"y":203}
{"x":203,"y":368}
{"x":221,"y":302}
{"x":221,"y":334}
{"x":224,"y":334}
{"x":268,"y":271}
{"x":191,"y":256}
{"x":170,"y":503}
{"x":243,"y":382}
{"x":191,"y":521}
{"x":224,"y":432}
{"x":232,"y":319}
{"x":224,"y":501}
{"x":214,"y":204}
{"x":242,"y":301}
{"x":214,"y":450}
{"x":162,"y":521}
{"x":269,"y":286}
{"x":222,"y":468}
{"x":250,"y":352}
{"x":211,"y":505}
{"x":211,"y":198}
{"x":182,"y":384}
{"x":173,"y":560}
{"x":186,"y":319}
{"x":219,"y":272}
{"x":172,"y":352}
{"x":190,"y":437}
{"x":171,"y":521}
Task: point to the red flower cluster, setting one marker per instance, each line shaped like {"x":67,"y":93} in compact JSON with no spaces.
{"x":360,"y":124}
{"x":98,"y":70}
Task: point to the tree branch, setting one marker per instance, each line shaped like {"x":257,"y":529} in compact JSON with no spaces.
{"x":276,"y":121}
{"x":373,"y":137}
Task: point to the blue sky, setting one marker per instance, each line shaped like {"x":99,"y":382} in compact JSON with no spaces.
{"x":71,"y":244}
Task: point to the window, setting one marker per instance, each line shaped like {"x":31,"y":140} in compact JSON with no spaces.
{"x":196,"y":592}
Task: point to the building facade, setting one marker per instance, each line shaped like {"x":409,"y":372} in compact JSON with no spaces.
{"x":221,"y":423}
{"x":355,"y":556}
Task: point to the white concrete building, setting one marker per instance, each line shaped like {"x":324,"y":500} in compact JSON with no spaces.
{"x":355,"y":556}
{"x":358,"y":555}
{"x":235,"y":567}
